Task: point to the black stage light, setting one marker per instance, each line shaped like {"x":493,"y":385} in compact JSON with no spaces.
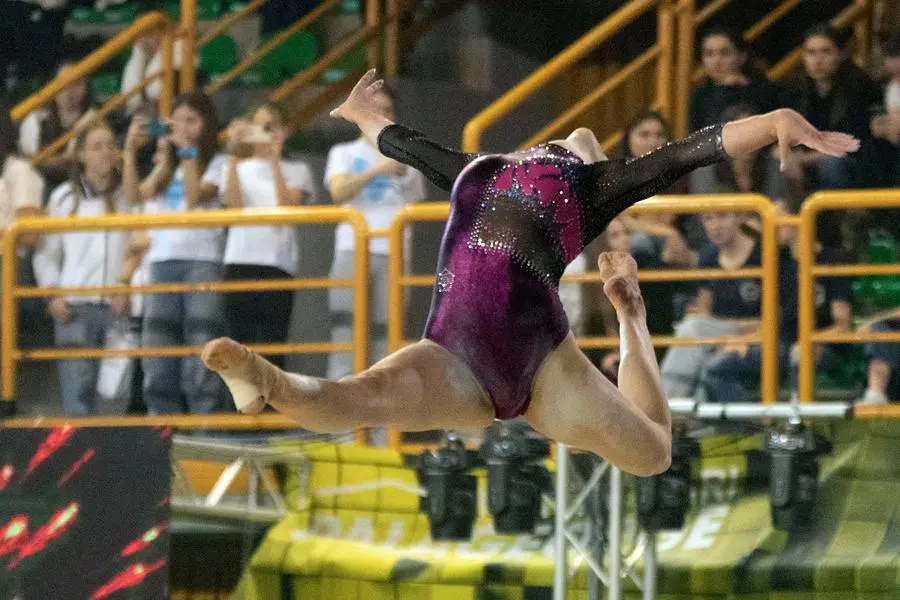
{"x":794,"y":474}
{"x":451,"y":503}
{"x":516,"y":477}
{"x":664,"y":500}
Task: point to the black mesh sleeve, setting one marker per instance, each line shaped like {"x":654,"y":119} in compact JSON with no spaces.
{"x":439,"y":164}
{"x":621,"y":183}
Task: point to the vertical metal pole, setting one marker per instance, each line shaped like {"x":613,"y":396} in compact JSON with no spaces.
{"x":615,"y":534}
{"x":650,"y":567}
{"x":561,"y":569}
{"x":188,"y":44}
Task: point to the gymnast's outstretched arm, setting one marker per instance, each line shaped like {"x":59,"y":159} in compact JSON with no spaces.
{"x":621,"y":183}
{"x":439,"y":164}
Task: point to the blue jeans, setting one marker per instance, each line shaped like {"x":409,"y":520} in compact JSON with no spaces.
{"x":78,"y":377}
{"x":173,"y":385}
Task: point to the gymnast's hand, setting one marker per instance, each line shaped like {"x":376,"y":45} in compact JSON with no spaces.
{"x":363,"y":98}
{"x":791,"y":129}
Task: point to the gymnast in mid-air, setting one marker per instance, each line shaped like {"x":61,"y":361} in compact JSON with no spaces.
{"x":497,"y":343}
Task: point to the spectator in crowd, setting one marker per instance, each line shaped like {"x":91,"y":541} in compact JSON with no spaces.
{"x":21,"y":194}
{"x":729,"y":79}
{"x":886,"y":124}
{"x":883,"y":381}
{"x":721,"y":307}
{"x":892,"y":70}
{"x":358,"y":175}
{"x":834,"y":94}
{"x":84,"y":259}
{"x":265,"y":180}
{"x":145,"y":62}
{"x":135,"y":272}
{"x":185,"y":179}
{"x":72,"y":106}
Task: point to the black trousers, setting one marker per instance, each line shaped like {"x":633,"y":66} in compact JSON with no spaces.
{"x":258,"y":317}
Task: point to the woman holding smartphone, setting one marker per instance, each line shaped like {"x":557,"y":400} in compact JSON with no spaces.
{"x":264,"y":180}
{"x":183,"y":180}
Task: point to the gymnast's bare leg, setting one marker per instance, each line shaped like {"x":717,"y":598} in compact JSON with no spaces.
{"x":418,"y":388}
{"x":574,"y":403}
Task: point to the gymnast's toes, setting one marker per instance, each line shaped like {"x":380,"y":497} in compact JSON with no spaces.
{"x":223,"y":354}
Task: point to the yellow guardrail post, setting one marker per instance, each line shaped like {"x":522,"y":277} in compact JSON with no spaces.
{"x":686,"y":36}
{"x":665,"y":66}
{"x":188,"y":34}
{"x":11,"y":293}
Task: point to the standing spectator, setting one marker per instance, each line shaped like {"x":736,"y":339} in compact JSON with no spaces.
{"x":184,"y":179}
{"x":73,"y":105}
{"x":84,"y":259}
{"x":358,"y":175}
{"x":834,"y":94}
{"x":145,"y":62}
{"x":21,"y":194}
{"x":265,"y":180}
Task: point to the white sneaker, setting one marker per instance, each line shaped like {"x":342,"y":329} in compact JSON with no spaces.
{"x":873,"y":397}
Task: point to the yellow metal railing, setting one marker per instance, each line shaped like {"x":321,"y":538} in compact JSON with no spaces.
{"x":12,"y":292}
{"x":153,"y":21}
{"x":808,"y":271}
{"x":767,"y":273}
{"x":662,"y":52}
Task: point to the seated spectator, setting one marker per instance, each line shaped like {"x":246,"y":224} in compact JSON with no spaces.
{"x":21,"y":193}
{"x":85,"y":259}
{"x":722,"y":307}
{"x":729,"y":79}
{"x":358,"y":175}
{"x":185,"y":179}
{"x":265,"y":180}
{"x":835,"y":95}
{"x":883,"y":382}
{"x":73,"y":105}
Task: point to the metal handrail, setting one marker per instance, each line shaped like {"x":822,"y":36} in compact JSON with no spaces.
{"x":11,"y":354}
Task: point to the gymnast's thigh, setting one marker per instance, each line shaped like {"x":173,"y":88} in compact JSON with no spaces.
{"x":424,"y":386}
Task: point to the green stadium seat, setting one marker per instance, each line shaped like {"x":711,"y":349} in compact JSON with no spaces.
{"x":219,"y":56}
{"x":115,"y":15}
{"x":296,"y":54}
{"x":352,"y":61}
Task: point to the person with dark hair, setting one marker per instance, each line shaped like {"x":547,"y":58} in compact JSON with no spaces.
{"x":71,"y":106}
{"x":264,"y":180}
{"x":832,"y":93}
{"x":497,"y":343}
{"x":184,"y":179}
{"x":729,"y":79}
{"x":357,"y":174}
{"x":85,"y":259}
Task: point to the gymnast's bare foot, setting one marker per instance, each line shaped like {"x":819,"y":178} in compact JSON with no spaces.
{"x":236,"y":364}
{"x":620,"y":283}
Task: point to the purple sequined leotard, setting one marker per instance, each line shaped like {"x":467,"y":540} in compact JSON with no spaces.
{"x":516,"y":221}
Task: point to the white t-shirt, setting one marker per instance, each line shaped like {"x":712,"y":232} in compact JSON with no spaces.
{"x":267,"y":246}
{"x":20,"y":187}
{"x":200,"y":244}
{"x":81,"y":258}
{"x":30,"y":131}
{"x":892,"y":97}
{"x":380,"y":200}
